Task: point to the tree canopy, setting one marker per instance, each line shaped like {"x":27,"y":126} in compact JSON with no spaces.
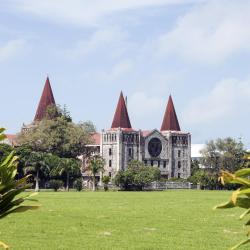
{"x":57,"y":135}
{"x":51,"y":146}
{"x":226,"y":154}
{"x":95,"y":166}
{"x":220,"y":154}
{"x":136,"y":176}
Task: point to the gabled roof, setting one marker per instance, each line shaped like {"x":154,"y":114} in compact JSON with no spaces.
{"x":170,"y":120}
{"x":145,"y":133}
{"x":96,"y":138}
{"x":121,"y":118}
{"x":122,"y":129}
{"x":46,"y":100}
{"x":154,"y":131}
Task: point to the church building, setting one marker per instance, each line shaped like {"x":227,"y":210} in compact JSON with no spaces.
{"x":168,"y":149}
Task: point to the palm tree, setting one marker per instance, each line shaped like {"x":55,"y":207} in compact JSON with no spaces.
{"x":96,"y":165}
{"x":36,"y":163}
{"x":69,"y":166}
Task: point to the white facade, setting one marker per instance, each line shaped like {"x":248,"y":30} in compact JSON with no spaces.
{"x":170,"y":151}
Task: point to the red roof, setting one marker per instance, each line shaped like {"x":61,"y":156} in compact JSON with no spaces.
{"x":46,"y":100}
{"x":170,"y":120}
{"x":145,"y":132}
{"x":10,"y":136}
{"x":122,"y":129}
{"x":96,"y":138}
{"x":121,"y":118}
{"x":11,"y":139}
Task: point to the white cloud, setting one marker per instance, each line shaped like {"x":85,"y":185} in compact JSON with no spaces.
{"x":228,"y":100}
{"x":101,"y":39}
{"x":120,"y":69}
{"x":142,"y":106}
{"x":11,"y":49}
{"x":210,"y":32}
{"x":117,"y":71}
{"x":84,"y":12}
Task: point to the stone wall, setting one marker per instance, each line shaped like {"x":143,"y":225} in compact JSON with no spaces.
{"x":158,"y":186}
{"x":173,"y":161}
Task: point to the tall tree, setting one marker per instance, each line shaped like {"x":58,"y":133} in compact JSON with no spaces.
{"x":195,"y":166}
{"x":95,"y":166}
{"x":36,"y":164}
{"x":69,"y":167}
{"x":56,"y":139}
{"x":88,"y":126}
{"x":57,"y":135}
{"x":223,"y":154}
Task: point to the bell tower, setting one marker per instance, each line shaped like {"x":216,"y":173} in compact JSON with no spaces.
{"x":47,"y":99}
{"x":179,"y":143}
{"x":120,"y":143}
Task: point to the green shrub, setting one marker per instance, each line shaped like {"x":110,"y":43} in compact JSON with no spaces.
{"x":240,"y":197}
{"x":175,"y":179}
{"x":78,"y":184}
{"x":136,"y":176}
{"x":206,"y":179}
{"x":105,"y":180}
{"x":55,"y":184}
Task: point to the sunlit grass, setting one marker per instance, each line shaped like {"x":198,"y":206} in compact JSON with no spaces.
{"x":125,"y":220}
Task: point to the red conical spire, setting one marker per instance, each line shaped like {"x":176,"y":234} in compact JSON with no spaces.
{"x":46,"y":100}
{"x":170,"y":120}
{"x":121,"y":118}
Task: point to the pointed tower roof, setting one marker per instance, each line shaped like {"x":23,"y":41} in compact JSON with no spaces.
{"x":170,"y":120}
{"x":121,"y":118}
{"x":46,"y":100}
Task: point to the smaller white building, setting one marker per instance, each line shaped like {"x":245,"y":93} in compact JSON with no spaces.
{"x":196,"y":151}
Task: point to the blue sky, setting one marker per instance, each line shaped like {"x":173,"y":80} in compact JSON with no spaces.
{"x":196,"y":50}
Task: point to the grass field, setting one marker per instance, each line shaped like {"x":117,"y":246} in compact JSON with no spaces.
{"x":125,"y":220}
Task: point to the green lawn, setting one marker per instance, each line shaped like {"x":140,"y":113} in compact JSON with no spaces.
{"x":125,"y":220}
